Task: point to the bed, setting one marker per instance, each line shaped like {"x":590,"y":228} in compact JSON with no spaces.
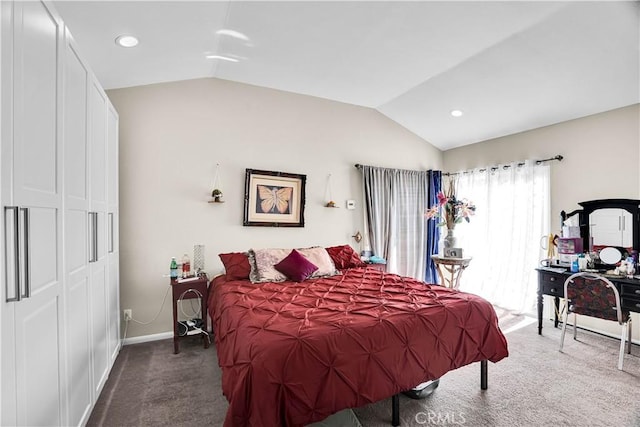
{"x":292,"y":353}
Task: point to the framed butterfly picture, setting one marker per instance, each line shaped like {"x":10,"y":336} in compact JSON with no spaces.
{"x":274,"y":199}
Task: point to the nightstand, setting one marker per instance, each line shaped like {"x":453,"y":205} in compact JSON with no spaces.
{"x":377,"y":266}
{"x":450,"y":270}
{"x":182,"y":289}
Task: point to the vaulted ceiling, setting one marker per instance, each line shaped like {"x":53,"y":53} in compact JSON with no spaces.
{"x":508,"y":66}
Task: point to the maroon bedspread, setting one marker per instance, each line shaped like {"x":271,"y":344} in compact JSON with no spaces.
{"x":294,"y":353}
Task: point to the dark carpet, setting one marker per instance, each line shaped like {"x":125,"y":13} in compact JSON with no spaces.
{"x":535,"y":386}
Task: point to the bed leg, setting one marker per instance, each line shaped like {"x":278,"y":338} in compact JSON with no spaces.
{"x":395,"y":410}
{"x":483,"y":374}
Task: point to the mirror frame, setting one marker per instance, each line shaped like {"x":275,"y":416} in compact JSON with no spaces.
{"x":630,"y":205}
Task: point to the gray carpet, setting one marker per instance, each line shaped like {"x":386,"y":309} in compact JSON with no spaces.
{"x":535,"y":386}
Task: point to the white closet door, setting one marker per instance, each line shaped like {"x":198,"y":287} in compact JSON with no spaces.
{"x":33,"y":326}
{"x":98,"y":230}
{"x":76,"y":236}
{"x":112,"y":232}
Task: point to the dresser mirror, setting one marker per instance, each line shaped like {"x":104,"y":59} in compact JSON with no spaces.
{"x":611,"y":227}
{"x":608,"y":223}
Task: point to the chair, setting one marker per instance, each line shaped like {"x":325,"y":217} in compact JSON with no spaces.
{"x":594,"y":295}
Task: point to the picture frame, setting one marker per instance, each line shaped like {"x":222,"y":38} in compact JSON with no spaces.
{"x":274,"y":199}
{"x":453,"y":253}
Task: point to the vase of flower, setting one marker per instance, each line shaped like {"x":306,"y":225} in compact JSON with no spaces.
{"x":450,"y":240}
{"x":450,"y":210}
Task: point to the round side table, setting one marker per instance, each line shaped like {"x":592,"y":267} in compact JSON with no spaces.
{"x":450,"y":270}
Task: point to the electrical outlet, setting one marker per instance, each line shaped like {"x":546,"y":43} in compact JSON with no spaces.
{"x":127,"y":314}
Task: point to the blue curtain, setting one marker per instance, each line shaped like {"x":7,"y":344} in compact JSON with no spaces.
{"x":433,"y":231}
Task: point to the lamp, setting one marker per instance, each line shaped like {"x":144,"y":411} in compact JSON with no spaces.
{"x":357,"y":237}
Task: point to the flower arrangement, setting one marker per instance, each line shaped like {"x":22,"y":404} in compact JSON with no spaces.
{"x":451,"y":210}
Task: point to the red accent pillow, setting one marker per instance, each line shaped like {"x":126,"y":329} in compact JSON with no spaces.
{"x":236,"y":265}
{"x":296,"y":267}
{"x":345,"y":257}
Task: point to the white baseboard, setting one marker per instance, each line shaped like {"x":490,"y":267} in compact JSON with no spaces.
{"x":147,"y":338}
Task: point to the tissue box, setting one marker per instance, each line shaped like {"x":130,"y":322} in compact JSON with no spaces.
{"x":570,"y":245}
{"x":570,"y":231}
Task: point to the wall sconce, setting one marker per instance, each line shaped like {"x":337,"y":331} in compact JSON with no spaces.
{"x":357,"y":237}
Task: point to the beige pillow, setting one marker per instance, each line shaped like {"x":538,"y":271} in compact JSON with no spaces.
{"x":320,"y":257}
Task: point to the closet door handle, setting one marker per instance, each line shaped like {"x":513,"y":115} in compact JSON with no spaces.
{"x":11,"y":253}
{"x":110,"y":232}
{"x":26,"y":254}
{"x":90,"y":234}
{"x":93,"y":237}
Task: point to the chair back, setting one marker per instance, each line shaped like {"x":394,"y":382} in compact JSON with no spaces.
{"x":593,"y":295}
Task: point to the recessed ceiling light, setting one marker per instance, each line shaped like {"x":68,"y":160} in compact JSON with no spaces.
{"x":456,"y":113}
{"x":233,"y":33}
{"x":224,"y":58}
{"x":126,"y":41}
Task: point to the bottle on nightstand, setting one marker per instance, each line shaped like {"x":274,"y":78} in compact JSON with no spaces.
{"x":173,"y":268}
{"x":186,"y":266}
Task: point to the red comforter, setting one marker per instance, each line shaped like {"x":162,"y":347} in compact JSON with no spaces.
{"x":294,"y":353}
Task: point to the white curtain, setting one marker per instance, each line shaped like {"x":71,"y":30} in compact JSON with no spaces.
{"x":512,"y":214}
{"x":395,"y":202}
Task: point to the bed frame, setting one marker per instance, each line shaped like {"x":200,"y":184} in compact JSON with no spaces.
{"x":395,"y":400}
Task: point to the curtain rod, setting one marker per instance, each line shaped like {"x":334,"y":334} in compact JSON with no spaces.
{"x":494,"y":168}
{"x":359,"y":166}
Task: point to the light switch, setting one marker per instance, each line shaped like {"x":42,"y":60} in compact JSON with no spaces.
{"x":351,"y":204}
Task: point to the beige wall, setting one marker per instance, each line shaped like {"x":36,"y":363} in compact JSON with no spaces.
{"x":601,"y":157}
{"x":601,"y":161}
{"x":171,"y":137}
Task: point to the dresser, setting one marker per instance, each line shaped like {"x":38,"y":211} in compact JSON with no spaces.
{"x":551,"y":282}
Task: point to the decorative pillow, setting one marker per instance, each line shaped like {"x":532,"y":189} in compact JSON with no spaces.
{"x":345,"y":257}
{"x":253,"y":274}
{"x":321,"y":258}
{"x":236,"y":265}
{"x":265,"y":259}
{"x":262,"y":263}
{"x":296,"y":267}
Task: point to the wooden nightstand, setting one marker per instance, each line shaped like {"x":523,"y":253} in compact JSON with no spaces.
{"x":196,"y":287}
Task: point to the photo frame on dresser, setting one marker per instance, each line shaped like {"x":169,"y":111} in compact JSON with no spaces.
{"x":453,"y":253}
{"x":274,"y":199}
